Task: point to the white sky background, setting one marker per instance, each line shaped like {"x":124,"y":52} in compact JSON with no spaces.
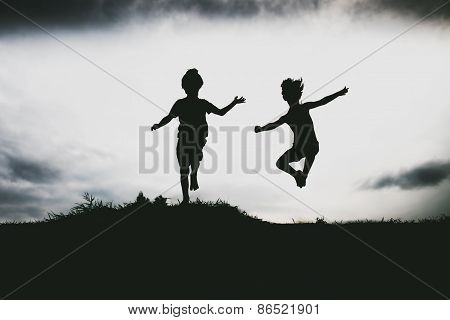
{"x":58,"y":108}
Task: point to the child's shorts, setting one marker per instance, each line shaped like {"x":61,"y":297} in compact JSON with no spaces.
{"x":189,"y":153}
{"x":306,"y":151}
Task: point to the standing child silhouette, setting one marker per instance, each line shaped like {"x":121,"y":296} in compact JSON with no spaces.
{"x":299,"y":120}
{"x":193,"y":129}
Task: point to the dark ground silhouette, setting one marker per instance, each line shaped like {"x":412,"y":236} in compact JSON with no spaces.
{"x":215,"y":251}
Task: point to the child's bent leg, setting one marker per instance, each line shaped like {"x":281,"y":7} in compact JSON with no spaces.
{"x":197,"y":156}
{"x":283,"y":162}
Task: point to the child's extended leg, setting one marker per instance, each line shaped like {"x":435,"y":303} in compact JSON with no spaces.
{"x":183,"y":161}
{"x":184,"y":178}
{"x":194,"y":169}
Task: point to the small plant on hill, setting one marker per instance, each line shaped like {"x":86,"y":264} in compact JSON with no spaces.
{"x":320,"y":220}
{"x":160,"y":201}
{"x":140,"y":199}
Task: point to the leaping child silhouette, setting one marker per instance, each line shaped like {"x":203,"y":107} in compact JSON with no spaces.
{"x":193,"y":128}
{"x":299,"y":120}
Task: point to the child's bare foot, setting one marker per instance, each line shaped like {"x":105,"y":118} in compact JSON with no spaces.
{"x":185,"y":201}
{"x":194,"y":183}
{"x":300,"y":178}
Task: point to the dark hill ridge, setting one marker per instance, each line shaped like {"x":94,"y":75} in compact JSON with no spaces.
{"x":216,"y":251}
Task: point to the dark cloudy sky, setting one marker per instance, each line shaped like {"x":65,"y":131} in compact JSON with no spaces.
{"x":81,"y":12}
{"x":66,"y":127}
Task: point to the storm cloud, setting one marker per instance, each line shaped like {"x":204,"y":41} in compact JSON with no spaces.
{"x":24,"y":183}
{"x":12,"y":195}
{"x":17,"y":166}
{"x":430,"y":174}
{"x":74,"y":13}
{"x":418,"y":8}
{"x":20,"y":168}
{"x":77,"y":12}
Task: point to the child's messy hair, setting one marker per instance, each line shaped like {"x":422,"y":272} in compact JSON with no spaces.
{"x":293,"y":86}
{"x":191,"y":81}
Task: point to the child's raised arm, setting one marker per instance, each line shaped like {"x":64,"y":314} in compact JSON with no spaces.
{"x":328,"y":99}
{"x":223,"y":111}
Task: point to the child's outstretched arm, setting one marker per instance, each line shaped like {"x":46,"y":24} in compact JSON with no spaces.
{"x":269,"y":126}
{"x":163,"y":121}
{"x":223,"y":111}
{"x":328,"y":99}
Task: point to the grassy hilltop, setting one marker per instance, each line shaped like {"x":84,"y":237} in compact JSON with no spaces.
{"x":151,"y":250}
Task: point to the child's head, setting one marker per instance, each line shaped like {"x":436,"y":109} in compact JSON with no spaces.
{"x":292,"y":90}
{"x":191,"y":82}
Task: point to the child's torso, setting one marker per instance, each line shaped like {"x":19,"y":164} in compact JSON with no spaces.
{"x":192,"y":116}
{"x":192,"y":111}
{"x":301,"y":124}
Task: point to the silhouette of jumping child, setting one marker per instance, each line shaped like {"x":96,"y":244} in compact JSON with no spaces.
{"x":299,"y":120}
{"x":193,"y":129}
